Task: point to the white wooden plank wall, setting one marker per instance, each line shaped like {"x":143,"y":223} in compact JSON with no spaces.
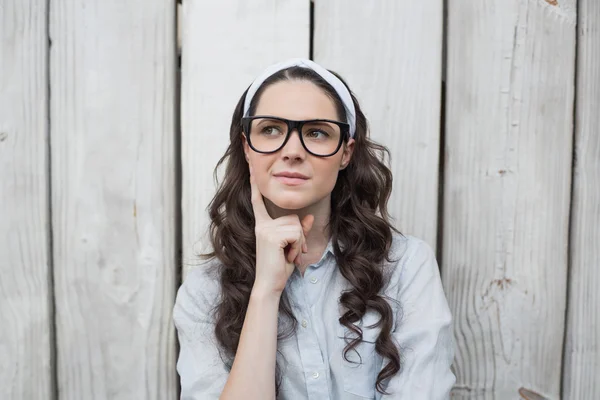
{"x":225,"y":45}
{"x":582,"y":346}
{"x":113,"y":197}
{"x":509,"y":108}
{"x":390,"y":54}
{"x":25,"y":301}
{"x":110,"y":100}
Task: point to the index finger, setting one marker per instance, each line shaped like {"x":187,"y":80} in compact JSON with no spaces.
{"x":258,"y":204}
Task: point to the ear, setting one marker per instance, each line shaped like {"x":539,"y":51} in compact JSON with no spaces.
{"x":347,"y":154}
{"x":246,"y":147}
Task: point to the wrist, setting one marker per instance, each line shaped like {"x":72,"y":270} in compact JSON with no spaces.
{"x":265,"y":294}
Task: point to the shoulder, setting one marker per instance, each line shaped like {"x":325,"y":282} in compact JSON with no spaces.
{"x":406,"y":248}
{"x":207,"y":273}
{"x":408,"y":256}
{"x":200,"y":289}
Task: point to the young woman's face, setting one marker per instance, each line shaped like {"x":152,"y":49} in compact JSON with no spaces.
{"x":297,"y":100}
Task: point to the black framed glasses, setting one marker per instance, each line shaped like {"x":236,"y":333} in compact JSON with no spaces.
{"x":320,"y":137}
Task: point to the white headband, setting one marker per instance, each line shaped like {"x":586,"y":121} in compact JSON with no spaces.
{"x":333,"y":80}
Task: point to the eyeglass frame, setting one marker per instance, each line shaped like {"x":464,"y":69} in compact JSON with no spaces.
{"x":297,"y":126}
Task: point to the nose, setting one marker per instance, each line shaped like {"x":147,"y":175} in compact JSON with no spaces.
{"x":293,"y":148}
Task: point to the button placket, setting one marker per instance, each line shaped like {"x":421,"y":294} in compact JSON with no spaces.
{"x":311,"y":284}
{"x":313,"y":364}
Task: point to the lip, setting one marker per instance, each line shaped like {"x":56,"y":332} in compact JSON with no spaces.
{"x":290,"y":181}
{"x":290,"y":174}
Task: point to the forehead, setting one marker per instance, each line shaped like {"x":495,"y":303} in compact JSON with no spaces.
{"x":296,"y":100}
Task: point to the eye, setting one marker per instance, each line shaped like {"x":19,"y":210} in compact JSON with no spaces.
{"x":270,"y":130}
{"x":314,"y":134}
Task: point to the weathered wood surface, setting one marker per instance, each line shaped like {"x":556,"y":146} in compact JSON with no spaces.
{"x":390,"y":54}
{"x":582,"y":345}
{"x":113,"y":197}
{"x":105,"y":122}
{"x":25,"y":270}
{"x":225,"y":45}
{"x":508,"y":145}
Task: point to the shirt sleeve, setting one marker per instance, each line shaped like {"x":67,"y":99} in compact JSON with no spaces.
{"x":423,"y":331}
{"x":202,"y":372}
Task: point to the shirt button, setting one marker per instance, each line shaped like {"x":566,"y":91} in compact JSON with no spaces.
{"x":304,"y":323}
{"x":315,"y":375}
{"x":313,"y":280}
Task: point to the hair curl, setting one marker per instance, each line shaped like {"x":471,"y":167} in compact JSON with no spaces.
{"x":359,"y":220}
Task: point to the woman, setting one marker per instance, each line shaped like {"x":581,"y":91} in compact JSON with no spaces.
{"x":310,"y":292}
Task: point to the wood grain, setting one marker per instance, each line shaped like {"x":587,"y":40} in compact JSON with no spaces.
{"x":25,"y":272}
{"x":390,"y":54}
{"x":225,"y":45}
{"x":113,"y":136}
{"x":509,"y":108}
{"x":582,"y":346}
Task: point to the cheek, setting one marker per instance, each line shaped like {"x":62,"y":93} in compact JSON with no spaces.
{"x":261,"y":168}
{"x":326,"y":176}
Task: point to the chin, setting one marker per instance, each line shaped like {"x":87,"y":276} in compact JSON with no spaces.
{"x":290,"y":202}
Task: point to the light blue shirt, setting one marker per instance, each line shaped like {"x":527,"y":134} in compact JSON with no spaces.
{"x":311,"y":360}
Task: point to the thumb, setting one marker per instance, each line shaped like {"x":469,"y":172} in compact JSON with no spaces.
{"x":307,"y":223}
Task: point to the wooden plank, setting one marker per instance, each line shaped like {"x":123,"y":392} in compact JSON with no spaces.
{"x":582,"y":347}
{"x":113,"y":195}
{"x":226,"y":44}
{"x":390,"y":54}
{"x":25,"y":302}
{"x":509,"y":109}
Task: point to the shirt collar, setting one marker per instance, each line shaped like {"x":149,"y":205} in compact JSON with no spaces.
{"x":328,"y":250}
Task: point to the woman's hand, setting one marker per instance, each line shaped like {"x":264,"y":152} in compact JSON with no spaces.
{"x":279,"y":243}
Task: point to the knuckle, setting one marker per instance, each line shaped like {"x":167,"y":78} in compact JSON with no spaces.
{"x":292,"y":218}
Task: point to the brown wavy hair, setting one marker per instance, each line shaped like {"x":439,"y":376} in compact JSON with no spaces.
{"x":359,"y":220}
